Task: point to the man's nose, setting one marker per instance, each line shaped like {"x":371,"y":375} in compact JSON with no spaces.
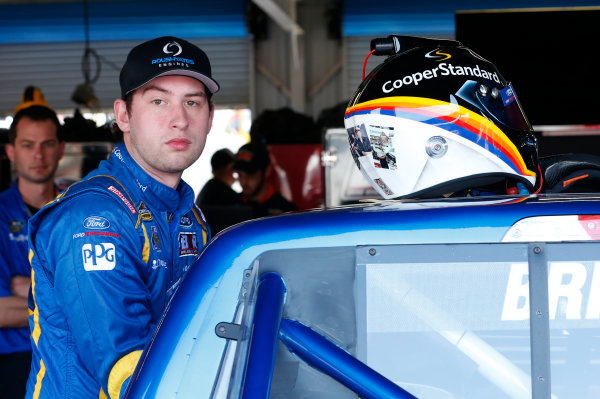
{"x":37,"y":151}
{"x":179,"y":118}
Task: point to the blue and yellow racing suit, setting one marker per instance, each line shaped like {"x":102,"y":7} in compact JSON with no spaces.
{"x":107,"y":256}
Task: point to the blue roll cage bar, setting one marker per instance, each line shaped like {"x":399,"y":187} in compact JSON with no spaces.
{"x":268,"y":327}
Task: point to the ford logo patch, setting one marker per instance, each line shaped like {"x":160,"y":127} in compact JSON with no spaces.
{"x":185,"y":221}
{"x":96,"y":223}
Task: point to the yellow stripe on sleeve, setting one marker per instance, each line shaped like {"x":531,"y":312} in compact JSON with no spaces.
{"x":38,"y":380}
{"x":204,"y":227}
{"x":121,"y":371}
{"x":37,"y":331}
{"x":146,"y":250}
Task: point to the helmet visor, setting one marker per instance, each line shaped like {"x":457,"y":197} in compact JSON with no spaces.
{"x":501,"y":105}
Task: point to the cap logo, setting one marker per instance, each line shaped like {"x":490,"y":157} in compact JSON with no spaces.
{"x":173,"y":45}
{"x":246,"y":156}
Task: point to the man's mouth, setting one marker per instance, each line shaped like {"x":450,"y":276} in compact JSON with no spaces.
{"x":179,"y":144}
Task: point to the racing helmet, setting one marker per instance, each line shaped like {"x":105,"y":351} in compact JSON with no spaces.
{"x":434,"y":119}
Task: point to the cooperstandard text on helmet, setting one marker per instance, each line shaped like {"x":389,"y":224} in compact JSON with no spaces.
{"x":444,"y":69}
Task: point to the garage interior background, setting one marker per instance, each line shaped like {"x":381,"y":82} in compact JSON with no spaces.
{"x":301,"y":55}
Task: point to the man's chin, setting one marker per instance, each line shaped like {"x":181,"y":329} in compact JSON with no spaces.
{"x":38,"y":179}
{"x":177,"y":166}
{"x":181,"y":160}
{"x":34,"y":174}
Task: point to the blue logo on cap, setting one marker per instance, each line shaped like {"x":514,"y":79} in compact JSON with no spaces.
{"x":172,"y":59}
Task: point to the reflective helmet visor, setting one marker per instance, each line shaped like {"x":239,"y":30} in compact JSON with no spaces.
{"x":499,"y":104}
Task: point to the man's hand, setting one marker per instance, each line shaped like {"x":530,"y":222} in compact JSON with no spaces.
{"x":13,"y":309}
{"x":19,"y":286}
{"x":13,"y":312}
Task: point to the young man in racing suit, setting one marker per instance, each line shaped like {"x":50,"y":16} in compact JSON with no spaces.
{"x":109,"y":252}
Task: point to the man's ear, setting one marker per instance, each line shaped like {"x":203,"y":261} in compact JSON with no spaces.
{"x":10,"y":151}
{"x":62,"y":149}
{"x":268,"y":171}
{"x":211,"y":115}
{"x":121,"y":115}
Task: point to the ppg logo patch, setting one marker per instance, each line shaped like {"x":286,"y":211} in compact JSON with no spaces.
{"x":98,"y":256}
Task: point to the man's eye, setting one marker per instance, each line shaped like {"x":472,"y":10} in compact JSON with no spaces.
{"x":192,"y":103}
{"x":157,"y":101}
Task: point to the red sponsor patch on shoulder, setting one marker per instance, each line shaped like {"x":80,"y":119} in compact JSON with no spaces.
{"x":114,"y":190}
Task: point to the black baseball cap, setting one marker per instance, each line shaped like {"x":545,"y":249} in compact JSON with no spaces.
{"x":252,"y":157}
{"x":164,"y":56}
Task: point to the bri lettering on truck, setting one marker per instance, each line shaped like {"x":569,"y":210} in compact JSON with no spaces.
{"x":569,"y":285}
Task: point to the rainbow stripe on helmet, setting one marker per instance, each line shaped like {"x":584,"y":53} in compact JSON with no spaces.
{"x":451,"y":117}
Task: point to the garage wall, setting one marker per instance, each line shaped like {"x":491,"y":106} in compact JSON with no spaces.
{"x":56,"y":69}
{"x":42,"y":44}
